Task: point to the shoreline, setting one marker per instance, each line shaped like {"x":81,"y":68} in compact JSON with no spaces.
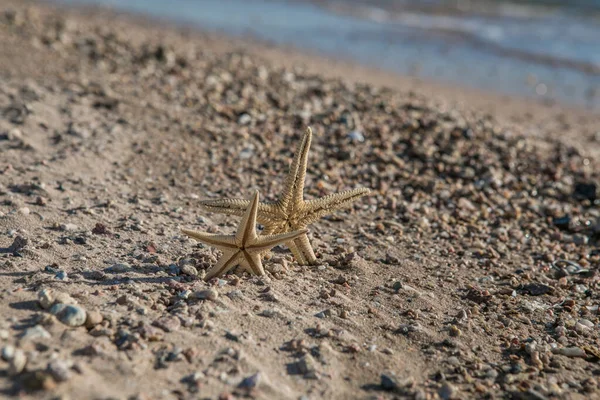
{"x":397,"y":48}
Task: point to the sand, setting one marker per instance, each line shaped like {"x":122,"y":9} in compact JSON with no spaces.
{"x":470,"y":272}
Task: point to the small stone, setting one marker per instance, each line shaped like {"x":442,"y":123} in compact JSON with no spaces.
{"x":18,"y":244}
{"x":570,"y":352}
{"x":24,"y":210}
{"x":537,"y":289}
{"x":45,"y":298}
{"x":70,"y":315}
{"x":118,"y":268}
{"x":193,"y":378}
{"x":235,"y":295}
{"x":151,"y":333}
{"x":454,"y":331}
{"x":208,"y":294}
{"x":250,"y":382}
{"x":123,"y":300}
{"x":100,"y":229}
{"x":36,"y":332}
{"x":356,"y":136}
{"x":244,"y":119}
{"x":189,"y":270}
{"x":448,"y":392}
{"x":585,"y":191}
{"x":325,"y":313}
{"x":586,"y":322}
{"x":562,"y":222}
{"x":8,"y":352}
{"x":168,"y":324}
{"x":17,"y":363}
{"x":270,"y":313}
{"x":454,"y":361}
{"x":68,"y":227}
{"x":93,"y":318}
{"x":232,"y":336}
{"x":59,"y":370}
{"x":61,"y":276}
{"x":389,"y":381}
{"x":307,"y":366}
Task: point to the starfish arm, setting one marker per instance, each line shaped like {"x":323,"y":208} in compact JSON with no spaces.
{"x":267,"y":212}
{"x":246,"y":232}
{"x":298,"y":256}
{"x":306,"y":249}
{"x":315,"y":209}
{"x":228,"y":260}
{"x":266,"y":242}
{"x":226,"y":206}
{"x":221,"y":242}
{"x":252,"y":261}
{"x":294,"y":183}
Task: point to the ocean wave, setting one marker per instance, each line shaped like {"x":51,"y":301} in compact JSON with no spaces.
{"x":553,"y":39}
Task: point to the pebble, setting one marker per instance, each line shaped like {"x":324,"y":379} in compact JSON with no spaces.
{"x":45,"y":298}
{"x":307,"y":366}
{"x":270,"y":313}
{"x":189,"y":270}
{"x":36,"y":332}
{"x":244,"y":119}
{"x":68,"y":314}
{"x":448,"y":391}
{"x":250,"y":382}
{"x":570,"y":352}
{"x":356,"y":136}
{"x":168,"y":324}
{"x":8,"y":352}
{"x":325,"y":313}
{"x":17,"y":363}
{"x":93,"y":318}
{"x":59,"y":370}
{"x":454,"y":331}
{"x":68,"y":227}
{"x":151,"y":333}
{"x":586,"y":322}
{"x":537,"y":289}
{"x":389,"y":381}
{"x":235,"y":295}
{"x":118,"y":268}
{"x":61,"y":276}
{"x":208,"y":294}
{"x":18,"y":244}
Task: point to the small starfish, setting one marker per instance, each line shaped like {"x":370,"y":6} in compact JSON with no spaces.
{"x":246,"y":247}
{"x":291,"y":212}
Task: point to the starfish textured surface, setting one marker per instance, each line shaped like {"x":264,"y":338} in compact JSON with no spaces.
{"x":291,"y":212}
{"x":246,"y":247}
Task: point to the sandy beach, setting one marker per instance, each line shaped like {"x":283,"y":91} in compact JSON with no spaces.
{"x":470,"y":271}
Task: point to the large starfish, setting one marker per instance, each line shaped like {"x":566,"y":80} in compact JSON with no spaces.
{"x":246,"y":247}
{"x":291,"y":212}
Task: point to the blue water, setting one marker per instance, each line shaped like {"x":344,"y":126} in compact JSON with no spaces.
{"x":543,"y":53}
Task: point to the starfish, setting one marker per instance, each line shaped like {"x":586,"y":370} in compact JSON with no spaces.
{"x":291,"y":212}
{"x":246,"y":247}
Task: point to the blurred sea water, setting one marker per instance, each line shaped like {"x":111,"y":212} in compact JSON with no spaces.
{"x":549,"y":50}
